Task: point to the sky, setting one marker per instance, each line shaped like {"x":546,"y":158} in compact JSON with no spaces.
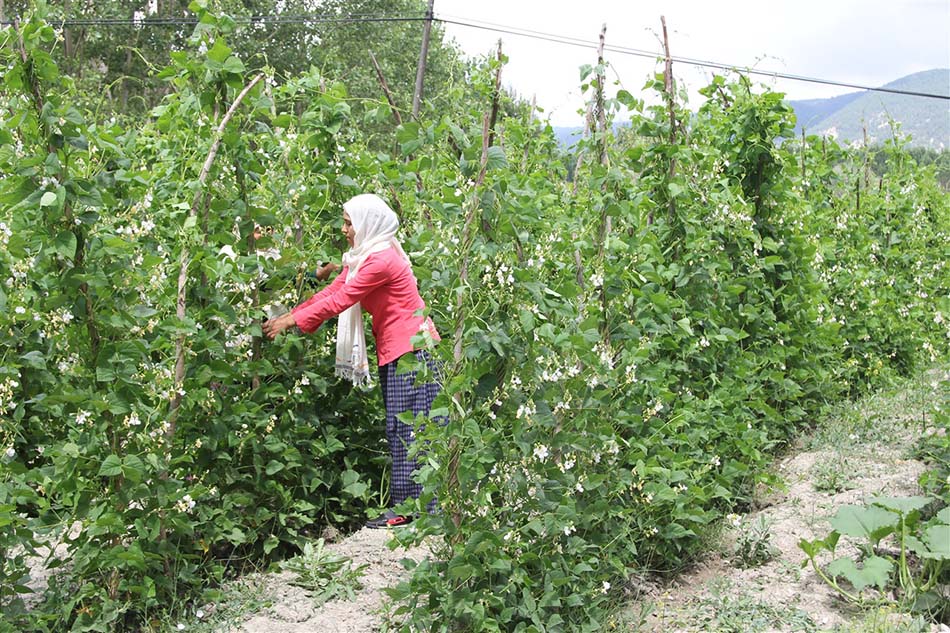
{"x":865,"y":42}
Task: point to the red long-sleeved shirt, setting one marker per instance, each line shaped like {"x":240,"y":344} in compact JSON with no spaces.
{"x":385,"y":288}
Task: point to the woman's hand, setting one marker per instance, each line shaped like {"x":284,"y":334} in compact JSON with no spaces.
{"x":273,"y":327}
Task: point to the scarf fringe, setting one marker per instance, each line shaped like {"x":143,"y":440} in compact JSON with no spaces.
{"x":359,"y":377}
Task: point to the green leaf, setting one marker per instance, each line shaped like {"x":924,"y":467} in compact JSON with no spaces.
{"x":944,"y":516}
{"x":65,"y":244}
{"x":274,"y":467}
{"x":269,"y":544}
{"x":133,"y":468}
{"x":236,"y":536}
{"x":34,"y":359}
{"x":111,"y":466}
{"x":461,"y":572}
{"x":219,"y":52}
{"x":496,"y":158}
{"x":871,"y":522}
{"x":48,"y":199}
{"x":876,"y":571}
{"x":685,"y":326}
{"x":407,"y":132}
{"x":903,"y":505}
{"x":234,"y":65}
{"x":345,"y":181}
{"x":938,"y":542}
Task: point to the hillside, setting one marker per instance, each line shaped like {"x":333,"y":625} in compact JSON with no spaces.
{"x":811,"y":112}
{"x":926,"y":120}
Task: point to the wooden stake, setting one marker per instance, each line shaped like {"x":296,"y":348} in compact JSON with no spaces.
{"x":495,"y":99}
{"x":471,"y":212}
{"x":599,"y":103}
{"x":867,"y":162}
{"x":185,"y":259}
{"x":803,"y":157}
{"x":421,"y":67}
{"x":670,"y":100}
{"x":385,"y":86}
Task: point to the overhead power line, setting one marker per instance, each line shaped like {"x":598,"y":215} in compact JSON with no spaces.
{"x":573,"y":41}
{"x":151,"y":21}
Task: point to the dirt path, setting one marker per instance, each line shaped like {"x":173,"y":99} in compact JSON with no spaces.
{"x":290,"y":609}
{"x":865,"y":451}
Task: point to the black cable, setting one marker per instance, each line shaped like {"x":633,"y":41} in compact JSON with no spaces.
{"x":686,"y":60}
{"x":254,"y":19}
{"x":489,"y":26}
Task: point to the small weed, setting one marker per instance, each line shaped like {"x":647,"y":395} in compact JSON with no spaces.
{"x":831,"y":476}
{"x":224,"y":610}
{"x":753,"y":546}
{"x":885,"y":621}
{"x":325,"y":574}
{"x":745,"y":614}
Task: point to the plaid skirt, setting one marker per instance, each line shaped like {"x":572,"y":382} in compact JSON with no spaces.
{"x":401,"y":394}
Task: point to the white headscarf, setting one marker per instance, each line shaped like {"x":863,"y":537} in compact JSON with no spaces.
{"x":375,"y":225}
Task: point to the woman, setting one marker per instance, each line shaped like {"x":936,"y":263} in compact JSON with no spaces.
{"x":377,"y":277}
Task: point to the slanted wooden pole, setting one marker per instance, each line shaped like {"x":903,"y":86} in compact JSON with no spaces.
{"x":599,"y":102}
{"x":386,"y":91}
{"x":421,"y":66}
{"x":803,"y":156}
{"x":670,"y":101}
{"x":185,"y":259}
{"x":495,"y":103}
{"x":471,"y":211}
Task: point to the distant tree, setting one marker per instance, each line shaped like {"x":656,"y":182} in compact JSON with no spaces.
{"x":114,"y":60}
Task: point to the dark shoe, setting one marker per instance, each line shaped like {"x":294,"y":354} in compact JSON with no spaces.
{"x":388,"y":519}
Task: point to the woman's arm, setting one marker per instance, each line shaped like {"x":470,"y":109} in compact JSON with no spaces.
{"x":332,"y":300}
{"x":333,"y":287}
{"x":372,"y":274}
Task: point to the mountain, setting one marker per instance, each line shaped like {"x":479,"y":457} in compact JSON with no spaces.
{"x":568,"y":136}
{"x":926,"y":120}
{"x":809,"y":112}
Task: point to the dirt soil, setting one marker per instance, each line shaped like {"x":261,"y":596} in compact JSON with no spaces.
{"x":293,"y":611}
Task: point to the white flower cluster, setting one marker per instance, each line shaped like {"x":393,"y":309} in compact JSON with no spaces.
{"x":161,"y":431}
{"x":605,"y":354}
{"x":185,"y":504}
{"x":652,"y":410}
{"x":725,"y":215}
{"x":630,"y":373}
{"x":541,"y":452}
{"x":5,"y":233}
{"x":7,"y":387}
{"x":19,"y":270}
{"x":68,"y":365}
{"x":55,"y":323}
{"x":134,"y":229}
{"x":526,"y":410}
